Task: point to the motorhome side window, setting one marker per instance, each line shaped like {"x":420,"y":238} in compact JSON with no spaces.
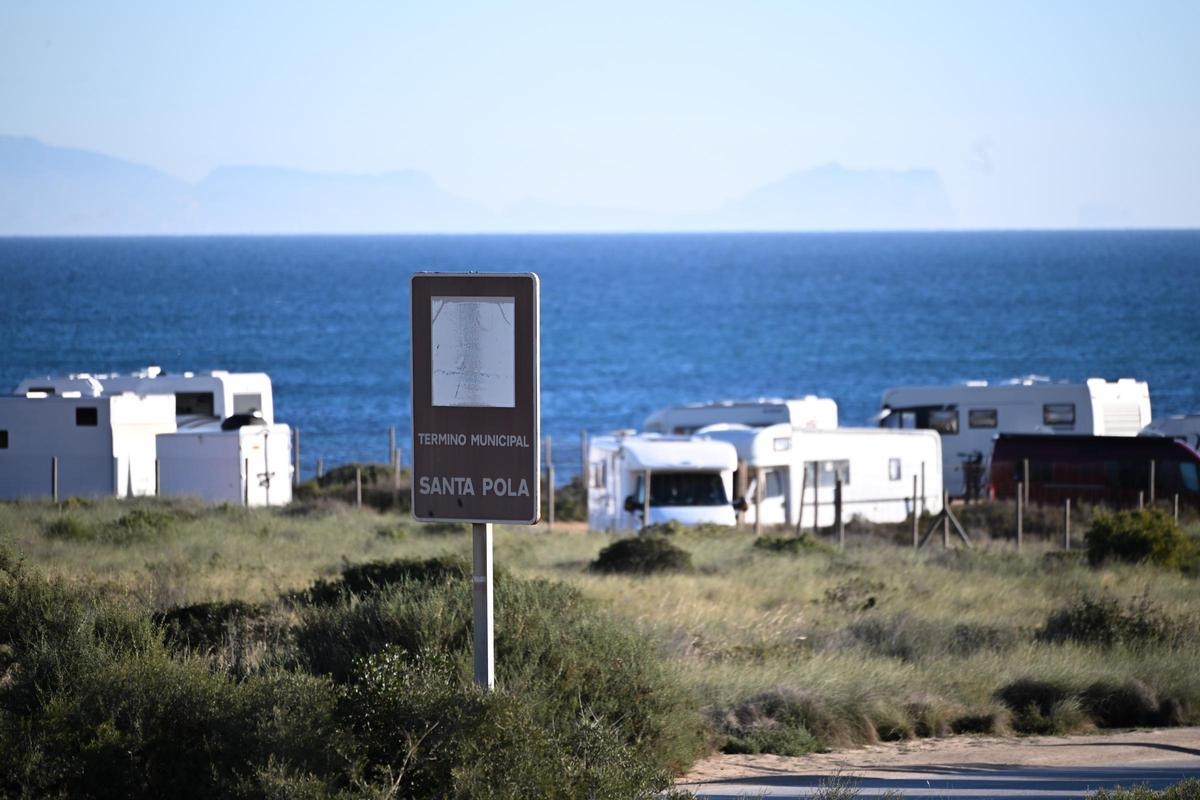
{"x":944,"y":420}
{"x":773,"y":484}
{"x":3,"y":440}
{"x":893,"y":469}
{"x":87,"y":417}
{"x":245,"y":403}
{"x":828,"y":472}
{"x":598,"y":477}
{"x":198,"y":404}
{"x":1058,"y":414}
{"x":1188,"y":473}
{"x":982,"y":418}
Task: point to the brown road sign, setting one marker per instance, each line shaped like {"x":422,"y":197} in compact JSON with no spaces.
{"x":475,"y":397}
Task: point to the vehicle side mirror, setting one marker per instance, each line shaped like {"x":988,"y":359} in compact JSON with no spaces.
{"x":740,"y":504}
{"x":631,"y":504}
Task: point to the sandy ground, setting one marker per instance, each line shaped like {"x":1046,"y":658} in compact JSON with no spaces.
{"x":1143,"y":746}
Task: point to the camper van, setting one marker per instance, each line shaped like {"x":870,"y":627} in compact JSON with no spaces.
{"x":74,"y":446}
{"x":790,"y":475}
{"x":969,"y":416}
{"x":1112,"y":470}
{"x":222,"y":443}
{"x":636,"y":480}
{"x":809,"y":412}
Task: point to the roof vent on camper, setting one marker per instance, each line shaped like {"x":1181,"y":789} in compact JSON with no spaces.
{"x":242,"y":420}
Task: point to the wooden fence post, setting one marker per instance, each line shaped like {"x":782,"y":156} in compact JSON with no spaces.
{"x":646,"y":502}
{"x":358,"y":487}
{"x":1152,"y":471}
{"x":296,"y":456}
{"x":1067,"y":527}
{"x":54,"y":478}
{"x":945,"y":520}
{"x":837,"y":513}
{"x":1020,"y":515}
{"x":549,"y":487}
{"x":914,"y":512}
{"x":584,"y":478}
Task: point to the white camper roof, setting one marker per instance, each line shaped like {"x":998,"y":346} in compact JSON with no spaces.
{"x":677,"y":453}
{"x":227,"y":387}
{"x":809,"y":411}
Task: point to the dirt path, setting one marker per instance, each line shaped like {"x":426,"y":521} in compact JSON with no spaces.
{"x":1141,"y":746}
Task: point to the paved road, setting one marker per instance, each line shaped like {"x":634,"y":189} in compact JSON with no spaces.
{"x":959,"y":767}
{"x":933,"y":782}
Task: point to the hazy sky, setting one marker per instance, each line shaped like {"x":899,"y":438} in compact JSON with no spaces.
{"x":1040,"y":114}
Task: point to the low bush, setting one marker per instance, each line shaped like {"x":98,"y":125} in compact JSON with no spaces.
{"x":642,"y":555}
{"x":1187,"y":789}
{"x":791,"y":545}
{"x":1105,"y":622}
{"x":784,"y":722}
{"x":1150,"y":535}
{"x":1122,"y":705}
{"x":429,"y":732}
{"x":570,"y":501}
{"x":376,"y":699}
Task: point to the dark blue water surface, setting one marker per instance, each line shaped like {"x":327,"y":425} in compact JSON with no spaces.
{"x":629,"y":323}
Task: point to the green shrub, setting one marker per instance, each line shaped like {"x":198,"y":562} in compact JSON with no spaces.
{"x":1104,"y":622}
{"x":428,"y":732}
{"x":642,"y":555}
{"x":369,"y":577}
{"x":69,"y":527}
{"x":570,"y":501}
{"x":1121,"y":705}
{"x":791,"y":545}
{"x":1187,"y":789}
{"x":1149,"y":535}
{"x":93,"y":703}
{"x":782,"y":721}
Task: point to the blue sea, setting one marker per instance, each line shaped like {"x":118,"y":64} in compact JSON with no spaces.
{"x":629,"y":322}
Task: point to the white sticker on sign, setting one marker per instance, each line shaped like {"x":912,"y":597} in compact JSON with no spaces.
{"x":474,"y":357}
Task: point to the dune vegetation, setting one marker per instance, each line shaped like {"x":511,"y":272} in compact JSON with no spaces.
{"x":323,"y":650}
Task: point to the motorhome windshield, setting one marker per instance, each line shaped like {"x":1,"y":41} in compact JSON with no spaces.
{"x":684,"y":489}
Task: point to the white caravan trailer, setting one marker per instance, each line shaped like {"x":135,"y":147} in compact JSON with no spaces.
{"x":209,"y":409}
{"x":790,"y":475}
{"x":690,"y":479}
{"x":218,"y":394}
{"x":241,"y":461}
{"x":809,"y":412}
{"x":88,"y":446}
{"x":969,"y":416}
{"x":1184,"y":427}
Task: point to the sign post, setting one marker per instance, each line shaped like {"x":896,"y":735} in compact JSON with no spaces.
{"x":476,"y":416}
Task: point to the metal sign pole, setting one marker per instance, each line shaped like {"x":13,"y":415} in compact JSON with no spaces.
{"x":481,"y":580}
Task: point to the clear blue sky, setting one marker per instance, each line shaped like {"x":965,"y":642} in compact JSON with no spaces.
{"x":1033,"y":113}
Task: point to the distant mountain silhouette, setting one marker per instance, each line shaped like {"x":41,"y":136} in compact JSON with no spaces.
{"x":53,"y":190}
{"x":832,"y":197}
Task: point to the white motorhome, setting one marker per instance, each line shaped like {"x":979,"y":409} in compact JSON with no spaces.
{"x":790,"y":475}
{"x":809,"y":412}
{"x":223,"y":444}
{"x":1184,"y":427}
{"x":218,"y":393}
{"x":81,"y":446}
{"x":690,"y":480}
{"x":968,"y":417}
